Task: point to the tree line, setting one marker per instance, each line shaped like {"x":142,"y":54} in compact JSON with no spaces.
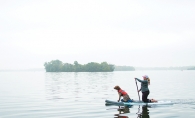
{"x":59,"y":66}
{"x":124,"y":68}
{"x":192,"y":68}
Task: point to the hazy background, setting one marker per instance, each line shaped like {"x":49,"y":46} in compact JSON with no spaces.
{"x":133,"y":33}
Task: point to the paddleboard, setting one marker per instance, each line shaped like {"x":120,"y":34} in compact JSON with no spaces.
{"x":109,"y":102}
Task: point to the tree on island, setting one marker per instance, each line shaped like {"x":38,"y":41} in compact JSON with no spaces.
{"x":59,"y":66}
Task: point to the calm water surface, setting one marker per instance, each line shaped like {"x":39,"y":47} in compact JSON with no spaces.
{"x":37,"y":94}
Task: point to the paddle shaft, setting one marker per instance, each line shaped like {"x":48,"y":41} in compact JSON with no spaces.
{"x":137,"y":89}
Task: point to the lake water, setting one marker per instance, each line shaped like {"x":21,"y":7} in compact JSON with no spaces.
{"x":38,"y":94}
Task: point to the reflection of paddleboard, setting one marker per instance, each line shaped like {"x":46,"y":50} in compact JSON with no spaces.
{"x":109,"y":102}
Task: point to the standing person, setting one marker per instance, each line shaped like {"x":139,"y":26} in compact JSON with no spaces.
{"x":144,"y":88}
{"x":122,"y":93}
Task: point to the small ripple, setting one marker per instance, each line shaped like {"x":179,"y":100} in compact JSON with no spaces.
{"x":184,"y":101}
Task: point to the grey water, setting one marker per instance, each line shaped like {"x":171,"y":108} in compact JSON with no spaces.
{"x":38,"y":94}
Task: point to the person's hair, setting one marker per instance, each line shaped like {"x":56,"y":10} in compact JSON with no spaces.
{"x":148,"y":81}
{"x":117,"y":88}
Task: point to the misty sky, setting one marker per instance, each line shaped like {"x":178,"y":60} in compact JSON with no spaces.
{"x":121,"y":32}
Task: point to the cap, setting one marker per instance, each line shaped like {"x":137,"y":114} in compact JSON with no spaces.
{"x":146,"y":76}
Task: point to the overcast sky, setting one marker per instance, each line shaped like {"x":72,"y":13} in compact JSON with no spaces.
{"x":152,"y":33}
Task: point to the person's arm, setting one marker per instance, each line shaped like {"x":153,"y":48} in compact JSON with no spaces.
{"x":143,"y":81}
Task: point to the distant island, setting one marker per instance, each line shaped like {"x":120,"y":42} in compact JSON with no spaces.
{"x":124,"y":68}
{"x":193,"y":68}
{"x":59,"y":66}
{"x":166,"y":68}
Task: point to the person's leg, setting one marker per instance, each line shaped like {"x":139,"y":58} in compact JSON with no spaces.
{"x":153,"y":100}
{"x":147,"y":93}
{"x":145,"y":96}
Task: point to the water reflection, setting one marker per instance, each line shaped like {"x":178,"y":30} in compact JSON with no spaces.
{"x":56,"y":85}
{"x":144,"y":113}
{"x":122,"y":111}
{"x":75,"y":85}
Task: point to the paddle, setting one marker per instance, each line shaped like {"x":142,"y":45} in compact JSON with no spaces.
{"x":137,"y":89}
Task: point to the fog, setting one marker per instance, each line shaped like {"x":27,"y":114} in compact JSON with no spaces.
{"x":132,"y":33}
